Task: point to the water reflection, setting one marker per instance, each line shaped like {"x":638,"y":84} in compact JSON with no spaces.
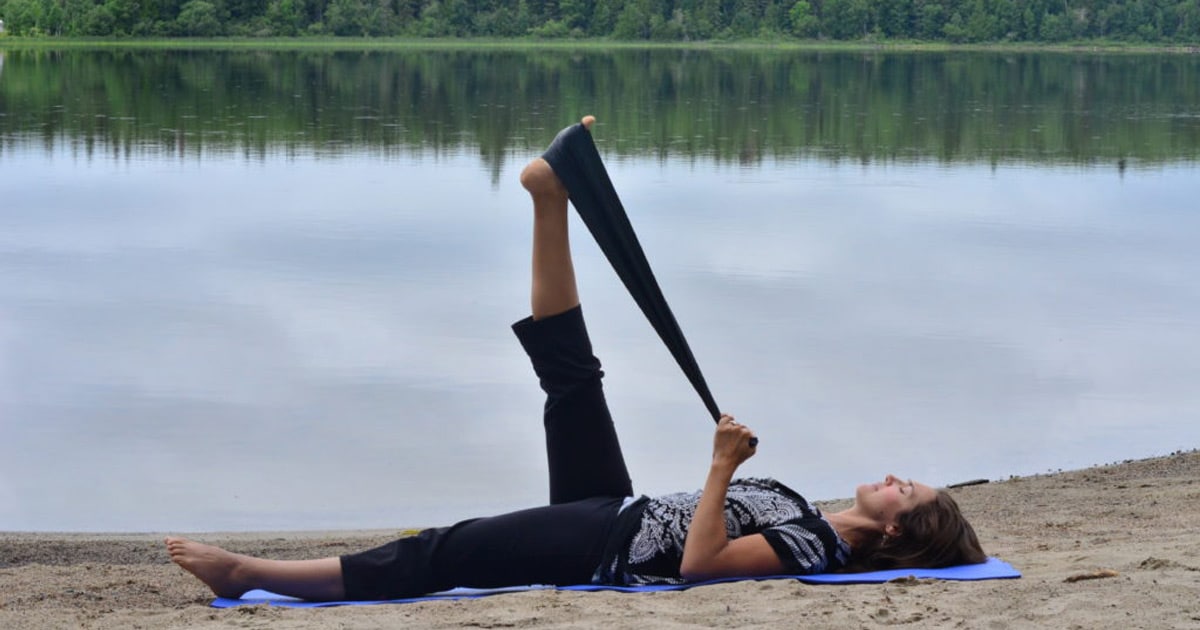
{"x":299,"y":320}
{"x":728,"y":106}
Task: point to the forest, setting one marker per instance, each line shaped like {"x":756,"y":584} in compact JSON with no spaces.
{"x":950,"y":21}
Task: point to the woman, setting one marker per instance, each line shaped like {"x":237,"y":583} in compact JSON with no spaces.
{"x":593,"y":530}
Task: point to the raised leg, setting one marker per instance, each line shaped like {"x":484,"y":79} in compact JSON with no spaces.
{"x":231,"y":574}
{"x":584,"y":454}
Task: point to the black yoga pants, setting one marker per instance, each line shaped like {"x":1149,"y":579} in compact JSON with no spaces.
{"x":560,"y":543}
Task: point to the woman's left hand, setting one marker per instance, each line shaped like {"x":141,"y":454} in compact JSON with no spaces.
{"x":732,"y":443}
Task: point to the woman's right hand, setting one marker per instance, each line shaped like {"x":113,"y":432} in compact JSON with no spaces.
{"x":732,"y":443}
{"x":707,"y":551}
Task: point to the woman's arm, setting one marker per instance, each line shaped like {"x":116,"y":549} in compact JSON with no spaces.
{"x":707,"y":552}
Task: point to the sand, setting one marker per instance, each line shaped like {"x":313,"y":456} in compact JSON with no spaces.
{"x":1113,"y":546}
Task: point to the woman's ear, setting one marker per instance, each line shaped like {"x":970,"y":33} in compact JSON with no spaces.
{"x":891,"y":530}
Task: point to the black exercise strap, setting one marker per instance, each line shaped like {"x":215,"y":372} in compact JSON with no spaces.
{"x":576,"y":161}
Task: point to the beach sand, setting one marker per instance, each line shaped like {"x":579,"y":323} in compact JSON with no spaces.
{"x":1138,"y":523}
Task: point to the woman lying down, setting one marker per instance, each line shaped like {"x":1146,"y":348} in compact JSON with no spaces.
{"x":595,"y":529}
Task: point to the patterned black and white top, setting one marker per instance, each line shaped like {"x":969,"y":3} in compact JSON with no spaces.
{"x":805,"y":542}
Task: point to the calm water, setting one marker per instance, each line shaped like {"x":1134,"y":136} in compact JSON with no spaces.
{"x":251,"y":290}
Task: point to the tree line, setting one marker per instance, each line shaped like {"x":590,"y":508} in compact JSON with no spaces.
{"x":954,"y":21}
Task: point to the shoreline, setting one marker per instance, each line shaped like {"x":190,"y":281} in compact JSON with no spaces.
{"x":584,"y":44}
{"x":1110,"y":546}
{"x":412,"y":529}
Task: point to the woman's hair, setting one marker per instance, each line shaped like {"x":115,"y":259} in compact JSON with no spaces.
{"x":932,"y":535}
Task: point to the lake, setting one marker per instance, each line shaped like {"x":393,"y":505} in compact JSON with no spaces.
{"x":251,"y":290}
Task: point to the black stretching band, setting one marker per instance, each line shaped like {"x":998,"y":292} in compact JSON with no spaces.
{"x":576,"y":162}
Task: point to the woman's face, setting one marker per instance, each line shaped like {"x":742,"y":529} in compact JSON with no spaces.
{"x":886,"y":500}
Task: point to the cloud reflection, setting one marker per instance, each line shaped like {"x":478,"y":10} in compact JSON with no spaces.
{"x":323,"y":343}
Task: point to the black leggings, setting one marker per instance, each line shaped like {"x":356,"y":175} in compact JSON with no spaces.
{"x":560,"y":543}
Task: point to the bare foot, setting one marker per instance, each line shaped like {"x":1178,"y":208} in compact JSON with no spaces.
{"x":539,"y":179}
{"x":217,"y":568}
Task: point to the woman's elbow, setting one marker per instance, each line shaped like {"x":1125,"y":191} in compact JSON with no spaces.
{"x":694,"y":570}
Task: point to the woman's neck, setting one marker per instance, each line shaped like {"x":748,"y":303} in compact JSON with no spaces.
{"x":852,"y":527}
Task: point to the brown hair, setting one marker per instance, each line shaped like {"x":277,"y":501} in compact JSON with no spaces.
{"x":932,"y":535}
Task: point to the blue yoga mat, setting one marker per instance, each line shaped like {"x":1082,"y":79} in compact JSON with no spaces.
{"x":993,"y":569}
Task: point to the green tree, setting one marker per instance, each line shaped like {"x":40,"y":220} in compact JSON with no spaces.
{"x":844,"y":19}
{"x":74,"y":12}
{"x":198,"y":18}
{"x":633,"y":21}
{"x":406,"y":12}
{"x":1054,"y":28}
{"x":895,"y":17}
{"x":286,"y":17}
{"x":347,"y":18}
{"x":953,"y":29}
{"x":604,"y":18}
{"x":930,"y":21}
{"x":802,"y":21}
{"x":99,"y":21}
{"x":433,"y":22}
{"x":1008,"y":19}
{"x":52,"y":17}
{"x":541,"y":11}
{"x":576,"y":14}
{"x":701,"y":18}
{"x":553,"y":29}
{"x":381,"y":18}
{"x":498,"y":22}
{"x":22,"y":17}
{"x":1031,"y":25}
{"x":124,"y":14}
{"x":1188,"y":15}
{"x":458,"y":14}
{"x":743,"y":23}
{"x":775,"y":17}
{"x":981,"y":23}
{"x":243,"y":10}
